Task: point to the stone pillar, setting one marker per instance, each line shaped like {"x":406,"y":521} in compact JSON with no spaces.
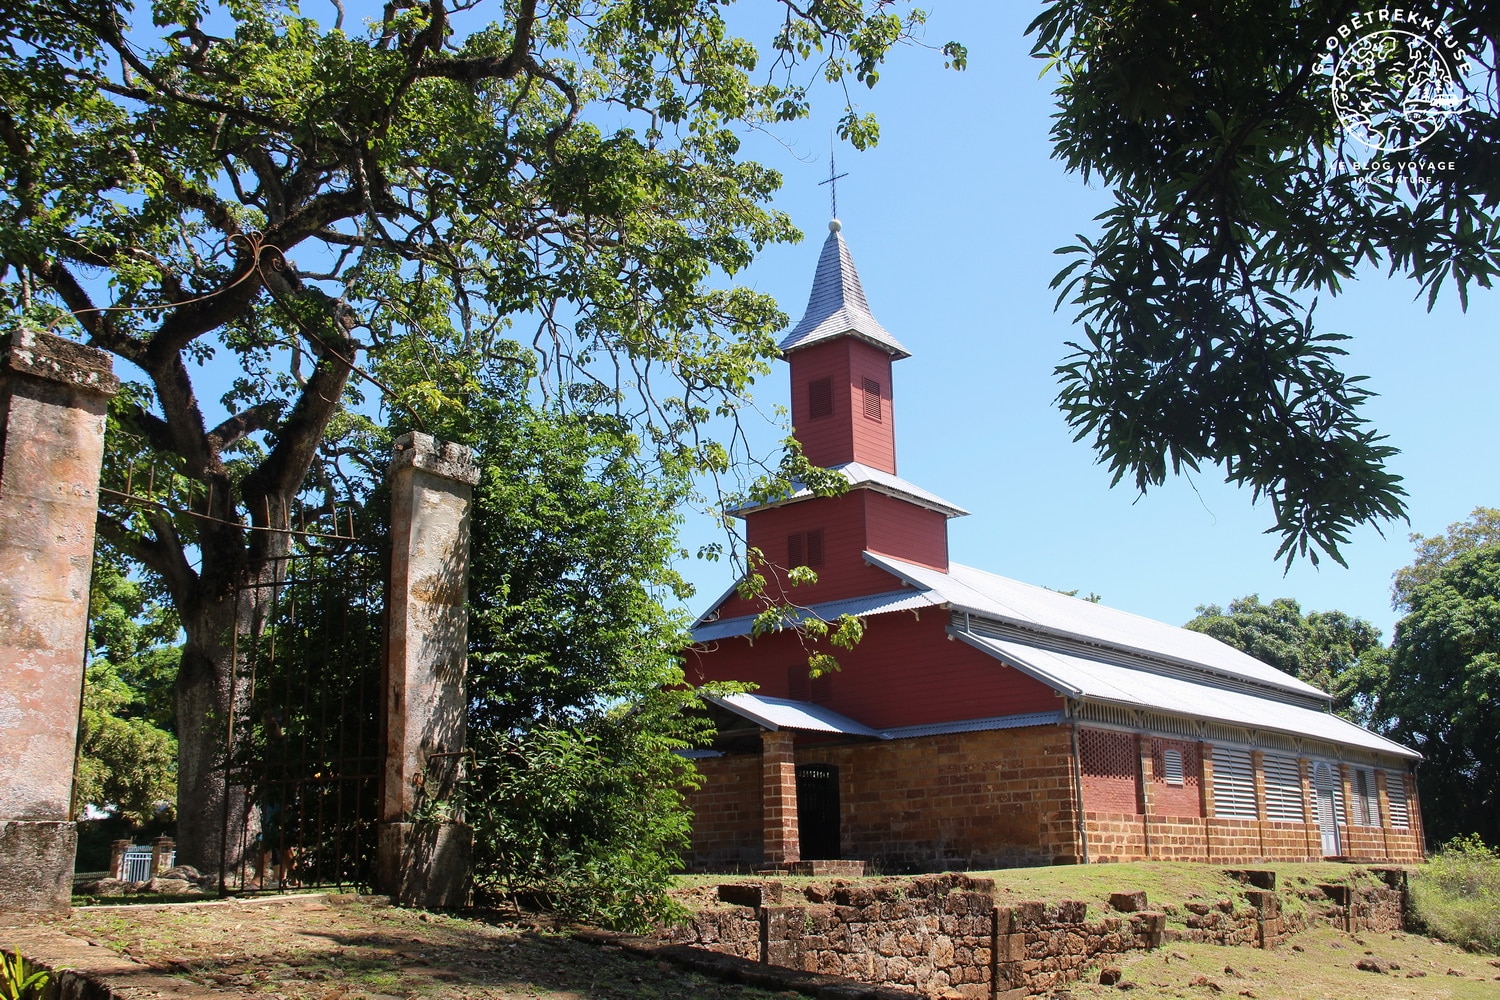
{"x":163,"y":855}
{"x":53,"y":394}
{"x":424,"y":853}
{"x":1414,"y":811}
{"x":1258,"y":775}
{"x":1146,"y":752}
{"x":117,"y":851}
{"x":1383,"y":796}
{"x":778,"y":798}
{"x":1348,"y":825}
{"x":1206,"y":796}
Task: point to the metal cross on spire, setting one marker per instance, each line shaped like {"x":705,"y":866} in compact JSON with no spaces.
{"x":833,"y":180}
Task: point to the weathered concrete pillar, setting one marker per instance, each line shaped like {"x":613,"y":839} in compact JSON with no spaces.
{"x":425,"y":850}
{"x":782,"y":841}
{"x":53,"y":394}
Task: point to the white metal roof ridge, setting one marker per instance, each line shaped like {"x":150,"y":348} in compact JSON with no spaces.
{"x":1045,"y":611}
{"x":1095,"y":680}
{"x":875,"y":604}
{"x":837,"y":304}
{"x":786,"y":713}
{"x":864,"y":477}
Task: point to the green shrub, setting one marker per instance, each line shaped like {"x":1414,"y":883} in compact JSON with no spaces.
{"x":1456,"y":895}
{"x":16,"y":983}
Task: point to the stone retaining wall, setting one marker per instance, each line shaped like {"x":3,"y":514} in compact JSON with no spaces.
{"x":945,"y":936}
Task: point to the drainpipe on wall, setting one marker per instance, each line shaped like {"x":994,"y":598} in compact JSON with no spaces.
{"x":1083,"y":833}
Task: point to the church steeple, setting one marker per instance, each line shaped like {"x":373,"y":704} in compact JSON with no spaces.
{"x":840,"y":356}
{"x":837,"y":306}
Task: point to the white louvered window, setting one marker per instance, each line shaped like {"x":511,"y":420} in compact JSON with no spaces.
{"x":1366,"y":796}
{"x":1283,"y":789}
{"x":1395,"y":797}
{"x":1234,"y":784}
{"x":1326,"y":775}
{"x":1171,"y":767}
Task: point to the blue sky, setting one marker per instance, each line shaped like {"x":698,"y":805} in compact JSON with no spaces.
{"x":952,"y":221}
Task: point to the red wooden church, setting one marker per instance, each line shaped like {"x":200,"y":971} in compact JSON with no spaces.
{"x":984,"y":722}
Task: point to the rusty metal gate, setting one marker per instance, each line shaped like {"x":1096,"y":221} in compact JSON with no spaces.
{"x":306,"y":747}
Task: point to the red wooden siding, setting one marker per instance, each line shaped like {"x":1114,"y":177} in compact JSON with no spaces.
{"x":897,"y":528}
{"x":905,"y":672}
{"x":847,"y":435}
{"x":844,"y":572}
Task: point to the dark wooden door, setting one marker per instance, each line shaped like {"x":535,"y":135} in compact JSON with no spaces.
{"x":818,"y":811}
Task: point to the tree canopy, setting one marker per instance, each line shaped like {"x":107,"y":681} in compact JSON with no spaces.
{"x":327,"y":210}
{"x":1328,"y":649}
{"x":1440,"y":691}
{"x":1239,"y":197}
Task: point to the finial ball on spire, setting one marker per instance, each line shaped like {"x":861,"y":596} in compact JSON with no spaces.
{"x":834,"y":225}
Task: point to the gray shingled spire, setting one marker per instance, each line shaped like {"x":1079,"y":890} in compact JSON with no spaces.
{"x":837,"y":306}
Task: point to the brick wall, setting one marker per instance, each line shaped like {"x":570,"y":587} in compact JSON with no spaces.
{"x":975,"y":800}
{"x":726,"y":815}
{"x":1110,"y":771}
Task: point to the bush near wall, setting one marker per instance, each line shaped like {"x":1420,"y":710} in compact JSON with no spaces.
{"x":1456,"y":895}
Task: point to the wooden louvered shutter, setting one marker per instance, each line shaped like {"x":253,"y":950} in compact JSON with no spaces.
{"x":794,"y":551}
{"x":820,"y":397}
{"x":815,"y":547}
{"x":872,"y":399}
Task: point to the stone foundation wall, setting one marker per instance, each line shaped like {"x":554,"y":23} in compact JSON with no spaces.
{"x":944,"y":935}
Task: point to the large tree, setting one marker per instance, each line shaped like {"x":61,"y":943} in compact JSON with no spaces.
{"x":292,"y":208}
{"x":1442,"y":695}
{"x":1330,"y":650}
{"x":1235,"y":206}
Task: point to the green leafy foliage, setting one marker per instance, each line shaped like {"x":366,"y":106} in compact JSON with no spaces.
{"x":128,"y":753}
{"x":1434,"y":551}
{"x":1442,"y":693}
{"x":1456,"y":895}
{"x":576,"y":710}
{"x":1328,"y":649}
{"x":1215,"y":128}
{"x":16,"y":983}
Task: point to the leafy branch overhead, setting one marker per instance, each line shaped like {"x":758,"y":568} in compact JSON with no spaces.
{"x":1215,"y":128}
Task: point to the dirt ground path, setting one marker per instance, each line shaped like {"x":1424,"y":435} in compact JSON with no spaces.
{"x":346,"y":948}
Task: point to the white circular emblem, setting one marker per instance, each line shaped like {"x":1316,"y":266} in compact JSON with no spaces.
{"x":1393,"y":90}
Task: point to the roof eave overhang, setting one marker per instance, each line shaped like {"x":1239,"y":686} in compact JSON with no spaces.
{"x":897,"y":352}
{"x":947,"y":510}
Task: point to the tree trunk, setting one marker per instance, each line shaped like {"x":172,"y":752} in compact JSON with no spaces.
{"x":217,"y":818}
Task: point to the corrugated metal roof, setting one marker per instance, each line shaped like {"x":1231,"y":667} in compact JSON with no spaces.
{"x":875,"y":604}
{"x":1115,"y":683}
{"x":864,"y":477}
{"x":968,"y":589}
{"x":837,"y":304}
{"x":784,"y":713}
{"x":974,"y":725}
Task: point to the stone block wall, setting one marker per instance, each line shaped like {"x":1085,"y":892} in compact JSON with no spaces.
{"x":944,"y":936}
{"x":726,"y":815}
